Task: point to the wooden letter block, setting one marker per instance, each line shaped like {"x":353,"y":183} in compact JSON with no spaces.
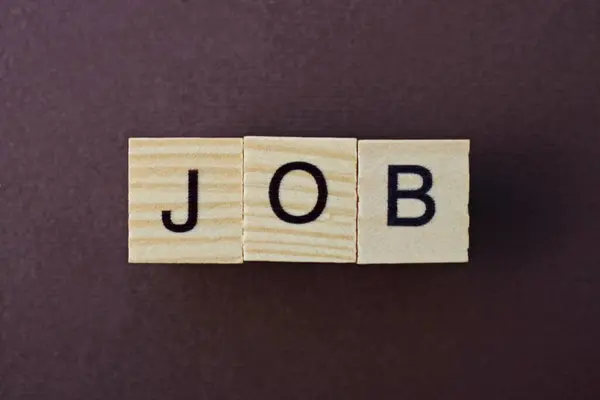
{"x":300,"y":199}
{"x":185,"y":200}
{"x":413,"y":201}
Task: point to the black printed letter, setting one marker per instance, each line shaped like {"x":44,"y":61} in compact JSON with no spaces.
{"x":192,"y":218}
{"x":321,"y":197}
{"x":419,"y":194}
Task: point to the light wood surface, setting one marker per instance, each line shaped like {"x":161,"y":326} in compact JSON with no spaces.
{"x":158,"y":181}
{"x":446,"y":237}
{"x":329,"y":238}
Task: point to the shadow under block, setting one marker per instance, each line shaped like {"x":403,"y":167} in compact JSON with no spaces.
{"x":445,"y":237}
{"x":328,"y":236}
{"x":159,"y":182}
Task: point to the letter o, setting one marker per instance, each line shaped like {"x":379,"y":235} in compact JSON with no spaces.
{"x":321,"y":194}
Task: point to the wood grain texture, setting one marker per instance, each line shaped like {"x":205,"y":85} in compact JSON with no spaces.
{"x":446,"y":237}
{"x":332,"y":236}
{"x":158,"y":180}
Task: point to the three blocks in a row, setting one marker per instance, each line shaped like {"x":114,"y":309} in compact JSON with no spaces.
{"x":298,"y":200}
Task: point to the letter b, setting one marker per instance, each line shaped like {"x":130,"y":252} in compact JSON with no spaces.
{"x":394,"y":194}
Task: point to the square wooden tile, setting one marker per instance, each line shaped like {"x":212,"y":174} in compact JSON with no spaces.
{"x":401,"y":220}
{"x":288,"y":213}
{"x":160,"y":174}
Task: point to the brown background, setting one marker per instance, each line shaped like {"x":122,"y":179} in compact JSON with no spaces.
{"x":521,"y":79}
